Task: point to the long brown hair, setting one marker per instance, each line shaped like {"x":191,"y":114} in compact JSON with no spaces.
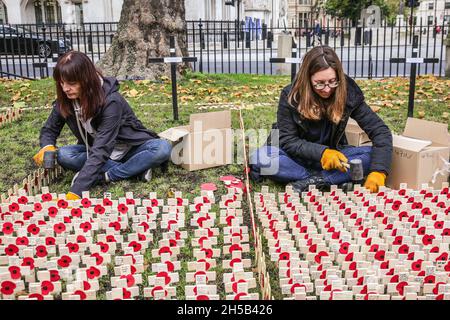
{"x":75,"y":66}
{"x":309,"y":104}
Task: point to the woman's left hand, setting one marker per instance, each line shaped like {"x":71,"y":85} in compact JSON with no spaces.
{"x":375,"y":180}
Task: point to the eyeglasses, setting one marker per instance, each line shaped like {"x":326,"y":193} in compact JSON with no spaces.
{"x":321,"y":86}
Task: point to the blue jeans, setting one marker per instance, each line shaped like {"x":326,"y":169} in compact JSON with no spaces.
{"x":275,"y":164}
{"x":150,"y":154}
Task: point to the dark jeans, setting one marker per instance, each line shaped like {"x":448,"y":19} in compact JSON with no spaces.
{"x":150,"y":154}
{"x":275,"y":164}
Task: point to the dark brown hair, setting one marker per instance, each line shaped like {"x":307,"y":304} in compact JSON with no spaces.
{"x":309,"y":104}
{"x":75,"y":66}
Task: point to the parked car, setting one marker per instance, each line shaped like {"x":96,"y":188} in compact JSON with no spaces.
{"x":18,"y":40}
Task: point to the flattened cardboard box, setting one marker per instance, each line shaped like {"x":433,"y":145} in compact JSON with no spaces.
{"x":205,"y":143}
{"x":355,"y":135}
{"x":419,"y":153}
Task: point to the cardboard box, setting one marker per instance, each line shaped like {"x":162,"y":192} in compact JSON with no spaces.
{"x":205,"y":143}
{"x":355,"y":135}
{"x":419,"y":153}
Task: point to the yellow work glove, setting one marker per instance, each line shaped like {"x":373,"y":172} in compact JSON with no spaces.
{"x":39,"y":157}
{"x":375,"y":180}
{"x":72,"y":196}
{"x":333,"y":159}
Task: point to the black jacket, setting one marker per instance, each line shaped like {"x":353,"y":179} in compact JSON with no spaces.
{"x":114,"y":122}
{"x":293,"y":130}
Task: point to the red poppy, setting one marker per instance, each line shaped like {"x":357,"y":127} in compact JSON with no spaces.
{"x":64,"y":261}
{"x":157,"y":288}
{"x":41,"y":251}
{"x":47,"y":287}
{"x":99,"y":209}
{"x":126,"y":294}
{"x":86,"y":203}
{"x":8,"y":228}
{"x":131,"y":281}
{"x":403,"y":249}
{"x":86,"y":285}
{"x":107,"y":202}
{"x":14,"y":207}
{"x":86,"y":226}
{"x":441,"y":205}
{"x":110,"y":238}
{"x":46,"y":197}
{"x":62,"y":204}
{"x":11,"y":250}
{"x":133,"y":269}
{"x":115,"y":225}
{"x":27,"y":215}
{"x":416,"y":265}
{"x":142,"y":237}
{"x":155,"y":203}
{"x":380,"y":255}
{"x":73,"y":247}
{"x":428,"y":239}
{"x":54,"y":275}
{"x":122,"y":208}
{"x":36,"y":296}
{"x":439,"y":224}
{"x":81,"y":239}
{"x":421,"y":231}
{"x":22,"y":200}
{"x":28,"y":262}
{"x":104,"y":247}
{"x":235,"y":247}
{"x":145,"y":225}
{"x":81,"y":294}
{"x":52,"y":211}
{"x":429,"y":279}
{"x":15,"y":272}
{"x":37,"y":207}
{"x":130,"y":201}
{"x":443,"y":257}
{"x":92,"y":273}
{"x":59,"y":228}
{"x":135,"y":245}
{"x":50,"y":241}
{"x":98,"y":258}
{"x":202,"y":297}
{"x":76,"y":212}
{"x":7,"y":287}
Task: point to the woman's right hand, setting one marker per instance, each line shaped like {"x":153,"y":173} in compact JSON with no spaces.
{"x":39,"y":157}
{"x":333,"y":159}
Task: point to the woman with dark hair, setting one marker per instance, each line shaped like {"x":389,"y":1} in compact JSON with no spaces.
{"x":313,"y":112}
{"x":112,"y":142}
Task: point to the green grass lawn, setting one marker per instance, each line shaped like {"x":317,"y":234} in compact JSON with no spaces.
{"x":151,"y":101}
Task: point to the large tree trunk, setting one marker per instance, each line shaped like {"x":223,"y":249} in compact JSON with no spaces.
{"x":143,"y":31}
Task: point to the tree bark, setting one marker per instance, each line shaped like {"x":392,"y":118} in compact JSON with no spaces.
{"x":143,"y":32}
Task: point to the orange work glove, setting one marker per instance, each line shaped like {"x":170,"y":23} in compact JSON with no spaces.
{"x":39,"y":157}
{"x":333,"y":159}
{"x":72,"y":196}
{"x":375,"y":180}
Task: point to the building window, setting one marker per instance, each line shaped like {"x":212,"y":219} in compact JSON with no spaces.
{"x":430,"y":20}
{"x":47,"y":11}
{"x":447,"y":19}
{"x":430,"y":6}
{"x":3,"y":13}
{"x":447,"y":5}
{"x":79,"y":17}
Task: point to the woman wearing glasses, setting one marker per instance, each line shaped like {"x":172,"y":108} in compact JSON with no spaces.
{"x":310,"y":147}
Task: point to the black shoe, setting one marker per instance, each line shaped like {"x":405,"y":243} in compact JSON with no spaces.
{"x":346,"y":186}
{"x":165,"y":166}
{"x":145,"y":176}
{"x":302,"y":185}
{"x":255,"y":176}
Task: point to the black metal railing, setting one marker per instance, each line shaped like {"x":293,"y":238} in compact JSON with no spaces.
{"x":30,"y":51}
